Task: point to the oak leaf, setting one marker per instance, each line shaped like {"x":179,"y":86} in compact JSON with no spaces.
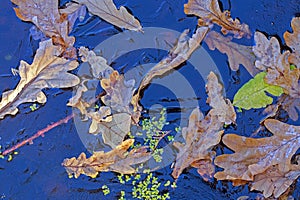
{"x":202,"y":134}
{"x":117,"y":160}
{"x":253,"y":93}
{"x":293,"y":41}
{"x":46,"y":71}
{"x":254,"y":156}
{"x":45,"y":15}
{"x":179,"y":54}
{"x":107,"y":10}
{"x":237,"y":54}
{"x":274,"y":181}
{"x":266,"y":51}
{"x":209,"y":12}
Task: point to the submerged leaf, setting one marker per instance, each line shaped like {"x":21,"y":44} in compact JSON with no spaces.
{"x":253,"y":93}
{"x":237,"y":54}
{"x":255,"y":156}
{"x":107,"y":10}
{"x":46,"y":71}
{"x":117,"y":160}
{"x":291,"y":106}
{"x":209,"y":12}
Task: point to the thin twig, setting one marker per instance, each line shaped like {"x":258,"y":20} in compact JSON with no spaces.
{"x":38,"y":134}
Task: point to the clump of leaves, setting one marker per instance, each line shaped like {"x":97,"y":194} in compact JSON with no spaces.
{"x":280,"y":72}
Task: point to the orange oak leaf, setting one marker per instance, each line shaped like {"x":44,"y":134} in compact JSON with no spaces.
{"x":107,"y":10}
{"x":209,"y":12}
{"x":117,"y":160}
{"x":202,"y":134}
{"x":254,"y":156}
{"x":293,"y":41}
{"x":47,"y":70}
{"x":237,"y":54}
{"x":274,"y":181}
{"x":45,"y":15}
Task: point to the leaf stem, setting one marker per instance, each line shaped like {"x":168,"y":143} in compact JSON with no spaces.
{"x":38,"y":134}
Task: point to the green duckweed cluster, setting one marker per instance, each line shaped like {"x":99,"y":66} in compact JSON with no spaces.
{"x":147,"y":186}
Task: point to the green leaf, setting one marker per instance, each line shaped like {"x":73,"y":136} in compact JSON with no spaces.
{"x":253,"y":93}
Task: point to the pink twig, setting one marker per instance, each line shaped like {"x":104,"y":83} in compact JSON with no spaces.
{"x":38,"y":134}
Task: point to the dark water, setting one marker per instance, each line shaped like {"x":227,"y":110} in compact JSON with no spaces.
{"x":36,"y":172}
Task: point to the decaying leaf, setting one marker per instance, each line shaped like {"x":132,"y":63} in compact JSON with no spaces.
{"x":117,"y":160}
{"x":209,"y":12}
{"x":107,"y":10}
{"x":202,"y":134}
{"x":293,"y":41}
{"x":253,"y":93}
{"x":291,"y":106}
{"x":274,"y":181}
{"x":46,"y":71}
{"x":180,"y":53}
{"x":237,"y":54}
{"x":45,"y":15}
{"x":255,"y":156}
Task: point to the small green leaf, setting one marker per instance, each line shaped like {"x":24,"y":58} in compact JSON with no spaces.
{"x":253,"y":93}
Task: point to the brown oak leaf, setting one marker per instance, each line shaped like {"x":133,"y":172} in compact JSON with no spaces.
{"x":237,"y":54}
{"x":46,"y":71}
{"x":179,"y":54}
{"x":254,"y":156}
{"x":291,"y":106}
{"x":117,"y":160}
{"x":274,"y":181}
{"x":293,"y":41}
{"x":45,"y":15}
{"x":107,"y":10}
{"x":209,"y":12}
{"x":202,"y":134}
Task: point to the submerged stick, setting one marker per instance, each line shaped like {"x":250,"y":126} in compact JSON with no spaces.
{"x":38,"y":134}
